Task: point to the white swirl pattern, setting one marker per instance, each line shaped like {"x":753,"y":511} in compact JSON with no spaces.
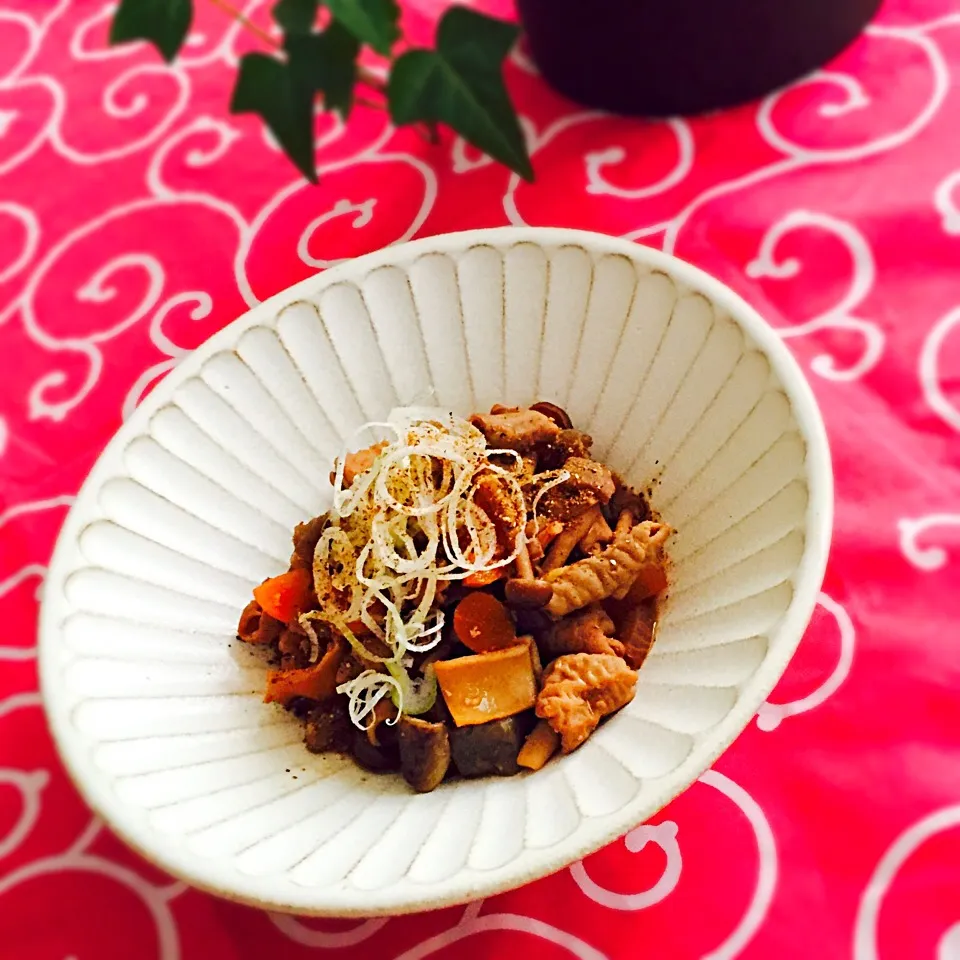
{"x":664,"y":835}
{"x":930,"y":557}
{"x":771,"y":715}
{"x":839,"y":317}
{"x":595,"y":162}
{"x":865,"y":945}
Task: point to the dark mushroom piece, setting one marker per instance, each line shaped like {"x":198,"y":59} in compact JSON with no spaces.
{"x":625,"y":499}
{"x":523,"y":563}
{"x":442,"y":651}
{"x":566,"y":541}
{"x":438,"y":713}
{"x":557,"y":414}
{"x":589,"y":630}
{"x":625,"y":523}
{"x":379,"y":759}
{"x":529,"y":594}
{"x":424,"y":753}
{"x":597,"y":536}
{"x":488,"y":748}
{"x":532,"y":621}
{"x":567,"y":443}
{"x":525,"y":590}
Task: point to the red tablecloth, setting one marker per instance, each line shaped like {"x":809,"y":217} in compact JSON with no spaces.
{"x":137,"y":217}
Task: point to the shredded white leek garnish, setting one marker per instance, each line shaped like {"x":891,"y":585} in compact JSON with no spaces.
{"x":365,"y":692}
{"x":397,"y":533}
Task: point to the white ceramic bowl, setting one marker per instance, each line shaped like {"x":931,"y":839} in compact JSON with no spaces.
{"x":159,"y":718}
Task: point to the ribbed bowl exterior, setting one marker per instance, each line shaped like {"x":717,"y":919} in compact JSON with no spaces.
{"x":156,"y":707}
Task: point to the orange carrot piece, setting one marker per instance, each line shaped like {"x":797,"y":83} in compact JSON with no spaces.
{"x":488,"y":686}
{"x":549,"y":532}
{"x":357,"y":462}
{"x":285,"y":596}
{"x":318,"y":681}
{"x":481,"y":622}
{"x":541,"y":744}
{"x":483,"y":578}
{"x":651,"y":580}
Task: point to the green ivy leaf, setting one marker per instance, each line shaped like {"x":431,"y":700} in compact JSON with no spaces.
{"x":374,"y":22}
{"x":296,"y":16}
{"x":327,"y":64}
{"x":275,"y":91}
{"x":461,"y":84}
{"x":165,"y":23}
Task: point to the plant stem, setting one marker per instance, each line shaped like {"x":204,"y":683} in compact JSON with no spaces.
{"x":247,"y":24}
{"x":369,"y":78}
{"x":364,"y":75}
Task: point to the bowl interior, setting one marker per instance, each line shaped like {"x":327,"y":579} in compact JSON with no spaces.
{"x":156,"y":707}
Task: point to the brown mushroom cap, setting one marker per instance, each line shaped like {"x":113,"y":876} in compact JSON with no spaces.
{"x":424,"y":753}
{"x":531,"y":594}
{"x":557,"y":414}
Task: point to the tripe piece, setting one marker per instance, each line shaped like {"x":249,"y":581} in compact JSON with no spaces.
{"x":601,"y":576}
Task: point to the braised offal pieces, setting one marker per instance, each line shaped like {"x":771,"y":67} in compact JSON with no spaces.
{"x":592,"y":476}
{"x":601,"y":576}
{"x":255,"y":626}
{"x":589,"y":631}
{"x":527,"y":604}
{"x":514,"y":429}
{"x":589,"y":483}
{"x":579,"y":690}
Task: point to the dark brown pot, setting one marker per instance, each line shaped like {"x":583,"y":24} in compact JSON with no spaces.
{"x":661,"y":57}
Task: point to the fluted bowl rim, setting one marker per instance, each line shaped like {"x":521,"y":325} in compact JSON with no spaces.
{"x":264,"y":892}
